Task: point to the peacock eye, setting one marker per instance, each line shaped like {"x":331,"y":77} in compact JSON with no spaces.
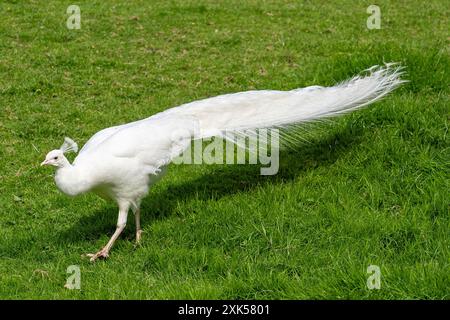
{"x":56,"y":158}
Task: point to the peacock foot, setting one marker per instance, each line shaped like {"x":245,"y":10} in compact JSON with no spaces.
{"x":101,"y":254}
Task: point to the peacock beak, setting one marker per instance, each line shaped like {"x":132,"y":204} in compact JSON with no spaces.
{"x":44,"y":163}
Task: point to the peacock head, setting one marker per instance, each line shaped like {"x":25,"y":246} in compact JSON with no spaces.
{"x":56,"y":157}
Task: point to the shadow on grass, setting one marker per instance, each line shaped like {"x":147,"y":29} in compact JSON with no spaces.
{"x":220,"y":181}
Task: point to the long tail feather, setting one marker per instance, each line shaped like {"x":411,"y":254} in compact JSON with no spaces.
{"x":244,"y":111}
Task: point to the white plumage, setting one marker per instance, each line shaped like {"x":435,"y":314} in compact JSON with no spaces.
{"x":122,"y":162}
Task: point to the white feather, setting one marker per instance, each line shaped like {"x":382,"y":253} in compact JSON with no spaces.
{"x":69,"y":146}
{"x":269,"y":108}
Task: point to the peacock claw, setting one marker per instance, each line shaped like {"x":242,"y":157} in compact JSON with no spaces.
{"x":94,"y":256}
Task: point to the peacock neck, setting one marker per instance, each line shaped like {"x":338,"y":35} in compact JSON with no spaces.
{"x":70,"y":180}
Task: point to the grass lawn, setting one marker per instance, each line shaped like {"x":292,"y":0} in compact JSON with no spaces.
{"x":371,"y":189}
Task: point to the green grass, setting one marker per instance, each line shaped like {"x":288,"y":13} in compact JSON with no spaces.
{"x":373,"y":188}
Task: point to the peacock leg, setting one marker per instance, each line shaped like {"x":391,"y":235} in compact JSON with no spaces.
{"x":121,"y":223}
{"x":137,"y":216}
